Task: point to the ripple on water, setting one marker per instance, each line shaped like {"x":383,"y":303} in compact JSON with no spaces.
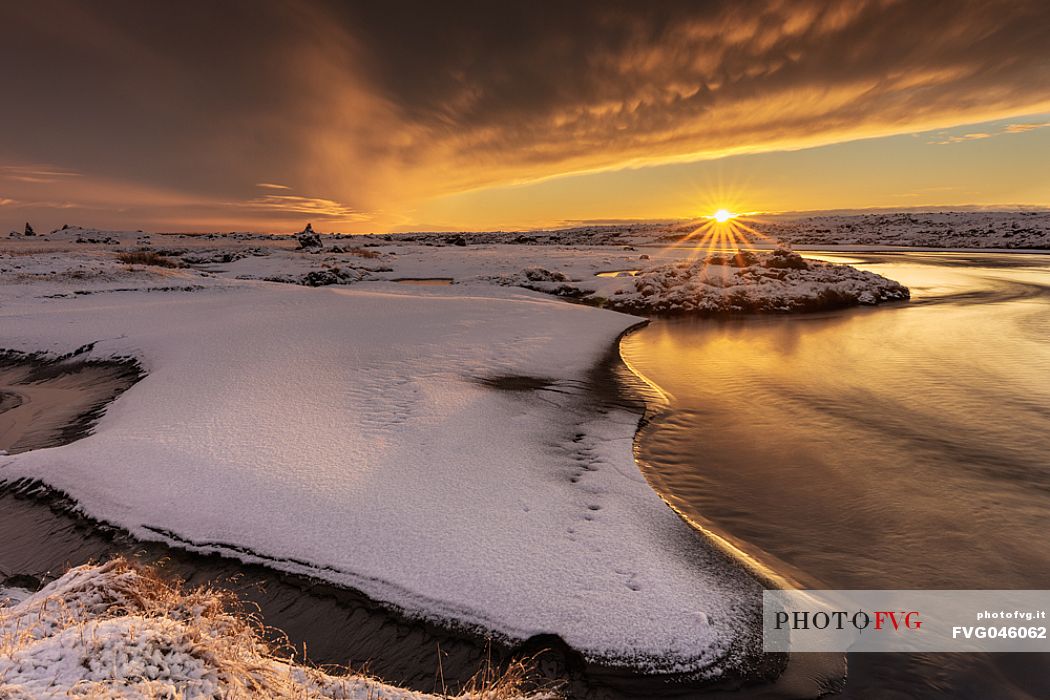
{"x":903,"y":447}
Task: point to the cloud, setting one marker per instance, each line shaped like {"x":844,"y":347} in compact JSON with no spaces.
{"x":1008,"y":129}
{"x":35,"y":173}
{"x":1021,"y":128}
{"x":271,"y":186}
{"x":512,"y":94}
{"x":965,"y":137}
{"x":312,"y":206}
{"x":369,"y":108}
{"x":87,"y":198}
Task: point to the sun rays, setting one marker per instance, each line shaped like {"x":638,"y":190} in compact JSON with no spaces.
{"x":722,"y":231}
{"x":722,"y":220}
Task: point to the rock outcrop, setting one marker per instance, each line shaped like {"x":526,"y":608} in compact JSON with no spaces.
{"x":309,"y":239}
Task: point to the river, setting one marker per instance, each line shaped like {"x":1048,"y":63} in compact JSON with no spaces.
{"x":905,"y":446}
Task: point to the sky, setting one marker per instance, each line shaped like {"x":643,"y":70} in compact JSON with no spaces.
{"x":363,"y":116}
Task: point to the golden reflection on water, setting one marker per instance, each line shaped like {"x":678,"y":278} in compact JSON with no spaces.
{"x":895,"y":447}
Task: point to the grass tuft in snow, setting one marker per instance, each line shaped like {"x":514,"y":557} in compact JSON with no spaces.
{"x":119,"y":630}
{"x":359,"y":252}
{"x":146,"y":258}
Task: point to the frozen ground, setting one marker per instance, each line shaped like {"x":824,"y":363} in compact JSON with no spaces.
{"x":1001,"y":230}
{"x":359,"y":432}
{"x":562,"y":262}
{"x":939,"y":229}
{"x":112,"y":631}
{"x":593,"y":265}
{"x":349,"y":433}
{"x":364,"y":432}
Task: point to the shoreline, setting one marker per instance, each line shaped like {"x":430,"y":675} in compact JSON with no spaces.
{"x":561,"y":471}
{"x":688,"y":568}
{"x":302,"y":606}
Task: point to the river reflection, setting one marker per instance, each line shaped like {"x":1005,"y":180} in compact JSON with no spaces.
{"x":898,"y":447}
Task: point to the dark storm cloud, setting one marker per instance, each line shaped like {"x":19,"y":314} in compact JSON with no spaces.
{"x":548,"y":81}
{"x":367,"y":105}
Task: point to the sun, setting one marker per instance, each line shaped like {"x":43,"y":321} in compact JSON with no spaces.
{"x":723,"y":229}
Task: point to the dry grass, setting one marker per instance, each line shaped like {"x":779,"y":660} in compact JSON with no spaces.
{"x":146,"y":258}
{"x":513,"y":682}
{"x":120,"y":630}
{"x":19,"y":250}
{"x":362,"y":253}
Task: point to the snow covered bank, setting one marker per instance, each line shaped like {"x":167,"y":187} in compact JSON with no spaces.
{"x":346,"y":433}
{"x":116,"y":631}
{"x":745,"y":282}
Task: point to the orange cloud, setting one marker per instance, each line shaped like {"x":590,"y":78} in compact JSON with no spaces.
{"x":310,"y":206}
{"x":1021,"y":128}
{"x":965,"y":137}
{"x":1008,"y":129}
{"x":35,"y":174}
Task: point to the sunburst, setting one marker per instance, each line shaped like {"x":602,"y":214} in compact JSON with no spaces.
{"x":723,"y":230}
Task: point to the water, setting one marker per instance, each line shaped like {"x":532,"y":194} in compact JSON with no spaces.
{"x":425,"y":281}
{"x":897,"y":447}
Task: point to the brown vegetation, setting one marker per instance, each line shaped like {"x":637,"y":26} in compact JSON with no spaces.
{"x":121,"y":630}
{"x":146,"y":258}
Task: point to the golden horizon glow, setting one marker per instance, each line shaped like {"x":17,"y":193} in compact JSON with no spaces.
{"x":723,"y":215}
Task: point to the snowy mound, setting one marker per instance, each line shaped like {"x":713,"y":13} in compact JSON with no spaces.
{"x":746,"y":282}
{"x":115,"y":631}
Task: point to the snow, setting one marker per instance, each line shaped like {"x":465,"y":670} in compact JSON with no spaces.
{"x":1009,"y":230}
{"x":115,"y":631}
{"x":345,"y":433}
{"x":563,"y":263}
{"x":780,"y":281}
{"x":66,"y":273}
{"x":10,"y":595}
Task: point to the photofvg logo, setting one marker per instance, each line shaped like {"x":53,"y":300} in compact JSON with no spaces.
{"x":917,"y":621}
